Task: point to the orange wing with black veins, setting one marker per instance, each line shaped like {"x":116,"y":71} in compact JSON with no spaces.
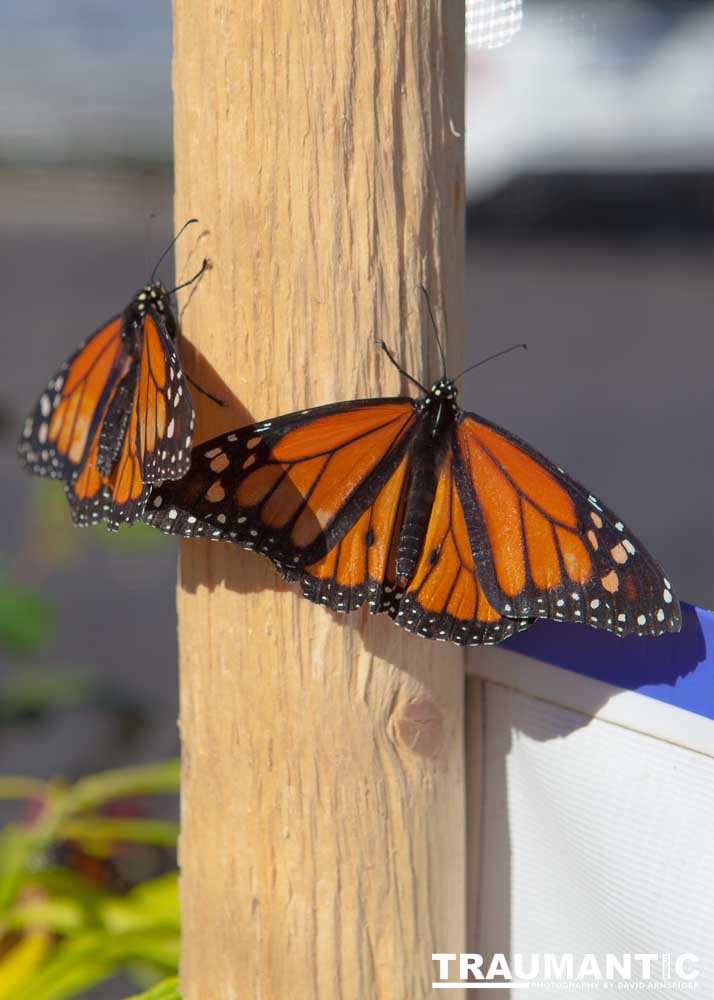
{"x":156,"y":415}
{"x":59,"y":437}
{"x":361,"y":566}
{"x":545,"y":547}
{"x":444,"y":599}
{"x":291,"y":488}
{"x":164,"y":409}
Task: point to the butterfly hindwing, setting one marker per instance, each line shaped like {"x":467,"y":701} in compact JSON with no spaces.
{"x":443,"y":597}
{"x":440,"y":597}
{"x":89,"y":493}
{"x":544,"y":547}
{"x":128,"y":490}
{"x":111,"y":469}
{"x":165,"y":414}
{"x":292,"y":487}
{"x":361,"y":567}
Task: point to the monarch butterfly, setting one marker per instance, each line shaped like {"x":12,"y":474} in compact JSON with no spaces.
{"x":453,"y":526}
{"x":118,"y":414}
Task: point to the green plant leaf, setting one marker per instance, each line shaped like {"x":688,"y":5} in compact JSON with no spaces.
{"x":146,"y":779}
{"x":20,"y":962}
{"x":89,"y":934}
{"x":17,"y":847}
{"x":82,"y":961}
{"x":60,"y":916}
{"x":75,"y":965}
{"x":21,"y":788}
{"x":64,"y":883}
{"x":18,"y":844}
{"x":153,"y":904}
{"x":106,"y":829}
{"x":27,"y":619}
{"x":167,"y":989}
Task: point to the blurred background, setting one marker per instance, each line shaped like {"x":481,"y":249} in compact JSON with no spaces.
{"x":590,"y":170}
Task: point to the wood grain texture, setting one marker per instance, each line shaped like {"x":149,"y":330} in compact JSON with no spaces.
{"x":323,"y":825}
{"x":474,"y":731}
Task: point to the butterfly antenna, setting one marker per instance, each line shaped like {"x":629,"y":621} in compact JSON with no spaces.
{"x":170,"y":247}
{"x":400,"y":369}
{"x":190,"y":281}
{"x":498,"y":354}
{"x":436,"y":332}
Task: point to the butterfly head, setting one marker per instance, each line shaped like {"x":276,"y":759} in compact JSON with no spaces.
{"x":153,"y":296}
{"x":440,"y":399}
{"x":442,"y":391}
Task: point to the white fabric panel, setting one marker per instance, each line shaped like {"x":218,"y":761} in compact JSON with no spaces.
{"x":595,"y":838}
{"x":594,"y":698}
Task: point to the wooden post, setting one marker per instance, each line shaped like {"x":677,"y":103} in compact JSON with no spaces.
{"x":322,"y":849}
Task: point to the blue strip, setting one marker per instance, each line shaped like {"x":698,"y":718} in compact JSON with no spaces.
{"x":675,"y":669}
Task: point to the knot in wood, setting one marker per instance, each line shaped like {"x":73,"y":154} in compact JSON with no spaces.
{"x":419,"y":725}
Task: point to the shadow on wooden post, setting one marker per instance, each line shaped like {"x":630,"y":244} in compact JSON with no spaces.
{"x":322,"y":848}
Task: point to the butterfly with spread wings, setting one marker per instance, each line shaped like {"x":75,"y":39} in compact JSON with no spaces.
{"x":117,"y":416}
{"x":453,"y":526}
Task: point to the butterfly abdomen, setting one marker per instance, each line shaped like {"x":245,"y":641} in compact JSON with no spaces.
{"x":425,"y":458}
{"x":116,"y":421}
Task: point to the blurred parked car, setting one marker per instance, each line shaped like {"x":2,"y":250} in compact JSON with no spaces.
{"x":610,"y":87}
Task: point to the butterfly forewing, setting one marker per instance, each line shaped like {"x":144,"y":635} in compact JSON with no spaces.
{"x":291,"y":487}
{"x":544,"y":547}
{"x":60,"y":432}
